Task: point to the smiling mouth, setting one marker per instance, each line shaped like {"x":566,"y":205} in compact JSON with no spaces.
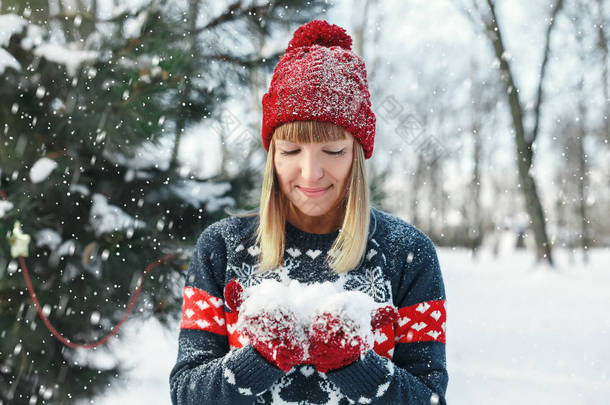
{"x":314,"y":190}
{"x":314,"y":194}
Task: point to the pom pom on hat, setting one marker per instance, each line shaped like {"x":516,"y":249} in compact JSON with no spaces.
{"x":319,"y":32}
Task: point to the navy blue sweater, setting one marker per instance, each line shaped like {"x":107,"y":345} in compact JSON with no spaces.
{"x":407,"y":365}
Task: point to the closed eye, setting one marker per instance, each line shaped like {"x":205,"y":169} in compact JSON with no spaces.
{"x":294,"y":152}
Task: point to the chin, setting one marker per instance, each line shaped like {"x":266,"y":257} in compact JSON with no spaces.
{"x":317,"y":210}
{"x":315,"y":213}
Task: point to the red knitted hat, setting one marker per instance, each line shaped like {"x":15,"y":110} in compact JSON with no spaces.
{"x":319,"y":78}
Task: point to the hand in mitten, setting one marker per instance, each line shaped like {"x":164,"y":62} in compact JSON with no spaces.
{"x":273,"y":331}
{"x":337,"y":340}
{"x":333,"y":342}
{"x":276,"y":335}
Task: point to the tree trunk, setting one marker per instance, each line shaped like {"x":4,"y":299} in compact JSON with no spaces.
{"x":582,"y":187}
{"x":525,"y":152}
{"x":582,"y":179}
{"x":473,"y":203}
{"x":603,"y":46}
{"x":475,"y":234}
{"x":416,"y":188}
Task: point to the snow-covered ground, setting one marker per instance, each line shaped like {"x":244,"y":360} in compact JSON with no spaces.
{"x":516,"y":333}
{"x":524,"y":334}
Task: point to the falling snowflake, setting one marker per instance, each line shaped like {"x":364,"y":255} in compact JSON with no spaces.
{"x":372,"y":282}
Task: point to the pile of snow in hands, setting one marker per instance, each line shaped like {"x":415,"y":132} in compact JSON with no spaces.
{"x":307,"y":302}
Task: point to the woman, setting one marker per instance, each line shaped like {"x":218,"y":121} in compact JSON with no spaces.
{"x":315,"y":224}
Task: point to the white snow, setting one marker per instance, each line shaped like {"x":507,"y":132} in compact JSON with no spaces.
{"x":47,"y":237}
{"x":5,"y":206}
{"x":149,"y":351}
{"x":516,"y":334}
{"x":41,"y":169}
{"x":197,"y":193}
{"x":107,"y":218}
{"x":10,"y":24}
{"x":79,"y":188}
{"x":33,"y":37}
{"x":127,"y":7}
{"x":133,"y":26}
{"x":71,"y":55}
{"x":7,"y":60}
{"x":147,"y":156}
{"x":67,"y":248}
{"x":519,"y":333}
{"x":308,"y":301}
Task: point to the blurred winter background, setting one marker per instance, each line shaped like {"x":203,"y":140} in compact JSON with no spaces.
{"x":126,"y":127}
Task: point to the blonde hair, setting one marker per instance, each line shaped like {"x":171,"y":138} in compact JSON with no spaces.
{"x":347,"y":250}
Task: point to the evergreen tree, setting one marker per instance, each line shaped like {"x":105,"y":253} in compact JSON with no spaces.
{"x":80,"y":113}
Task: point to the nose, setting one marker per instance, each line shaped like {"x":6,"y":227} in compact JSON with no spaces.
{"x":311,"y":167}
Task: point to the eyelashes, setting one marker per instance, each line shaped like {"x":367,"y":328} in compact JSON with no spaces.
{"x":339,"y":153}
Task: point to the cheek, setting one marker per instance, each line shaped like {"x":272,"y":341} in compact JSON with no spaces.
{"x":282,"y":172}
{"x":342,"y":170}
{"x":281,"y":164}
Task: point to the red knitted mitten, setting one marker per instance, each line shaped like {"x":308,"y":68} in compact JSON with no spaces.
{"x":275,"y":332}
{"x":334,"y":342}
{"x":277,"y":336}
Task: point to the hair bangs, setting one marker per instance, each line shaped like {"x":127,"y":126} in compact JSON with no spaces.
{"x":309,"y":132}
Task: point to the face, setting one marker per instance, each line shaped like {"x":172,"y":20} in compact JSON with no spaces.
{"x":304,"y":169}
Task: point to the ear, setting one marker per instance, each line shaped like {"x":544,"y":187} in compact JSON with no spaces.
{"x":234,"y":295}
{"x":383,"y":316}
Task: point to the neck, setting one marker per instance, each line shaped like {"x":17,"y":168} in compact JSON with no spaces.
{"x":326,"y":223}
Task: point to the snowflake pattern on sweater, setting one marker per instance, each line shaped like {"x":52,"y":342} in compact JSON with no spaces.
{"x":407,"y":365}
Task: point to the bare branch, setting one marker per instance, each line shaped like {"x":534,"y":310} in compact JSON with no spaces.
{"x":234,"y":12}
{"x":472,"y":12}
{"x":495,"y":36}
{"x":86,"y":16}
{"x":545,"y":59}
{"x":225,"y":57}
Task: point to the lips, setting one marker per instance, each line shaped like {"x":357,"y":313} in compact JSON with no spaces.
{"x":314,"y":194}
{"x":313,"y":190}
